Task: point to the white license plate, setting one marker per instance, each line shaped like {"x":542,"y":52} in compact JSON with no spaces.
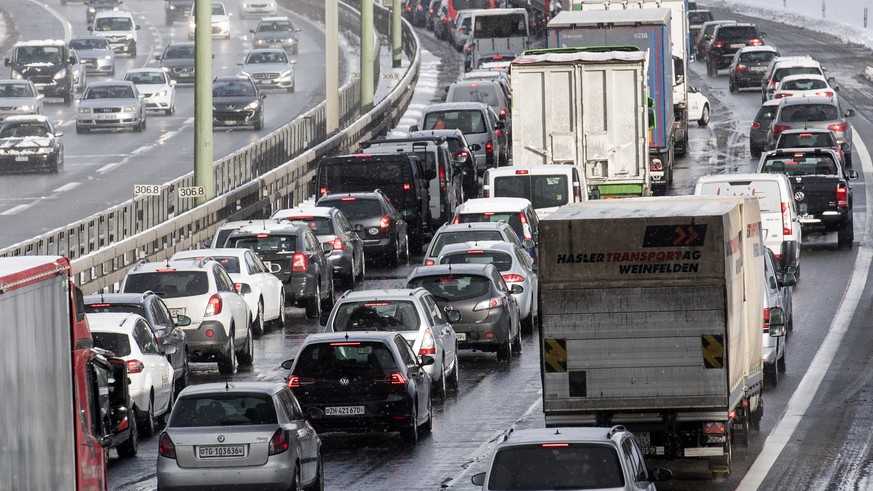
{"x":740,"y":45}
{"x":344,"y":411}
{"x":213,"y":451}
{"x":177,"y":312}
{"x":462,"y":336}
{"x":759,"y":69}
{"x":105,"y":116}
{"x":21,"y":158}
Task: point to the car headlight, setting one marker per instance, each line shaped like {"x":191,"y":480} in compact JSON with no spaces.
{"x":61,"y":74}
{"x":26,"y":107}
{"x":160,"y":93}
{"x":129,"y":35}
{"x":107,"y":57}
{"x":85,"y":110}
{"x":43,"y":150}
{"x":191,"y":25}
{"x":129,"y":109}
{"x":172,"y":7}
{"x":92,"y":10}
{"x":253,"y":105}
{"x":259,"y":41}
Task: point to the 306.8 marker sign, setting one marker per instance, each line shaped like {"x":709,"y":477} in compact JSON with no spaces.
{"x":146,"y":189}
{"x":192,"y":192}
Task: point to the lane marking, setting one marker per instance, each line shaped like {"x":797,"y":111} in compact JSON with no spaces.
{"x":16,"y":209}
{"x":108,"y":167}
{"x":66,"y":187}
{"x":802,"y":398}
{"x":68,"y":27}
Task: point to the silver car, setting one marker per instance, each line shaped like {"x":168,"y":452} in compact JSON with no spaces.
{"x":270,"y":68}
{"x":111,"y":105}
{"x":19,"y":97}
{"x":276,"y":32}
{"x":776,"y":294}
{"x":481,"y":127}
{"x":412,"y":313}
{"x":248,"y":434}
{"x":95,"y":54}
{"x":514,"y":264}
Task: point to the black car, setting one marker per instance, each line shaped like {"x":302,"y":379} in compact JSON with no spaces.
{"x":48,"y":64}
{"x":115,"y":402}
{"x":376,"y":221}
{"x":761,"y":127}
{"x":748,"y":66}
{"x":696,"y":19}
{"x":403,"y":177}
{"x":152,"y":308}
{"x":727,"y":39}
{"x":176,"y":10}
{"x":178,"y":61}
{"x":305,"y":269}
{"x":94,"y":6}
{"x":276,"y":32}
{"x":30,"y":142}
{"x":704,"y":37}
{"x":362,"y":382}
{"x":236,"y":101}
{"x":461,"y":152}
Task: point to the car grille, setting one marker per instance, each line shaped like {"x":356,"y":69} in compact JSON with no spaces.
{"x":265,"y":76}
{"x":89,"y":61}
{"x":115,"y":39}
{"x":258,"y":5}
{"x":44,"y":80}
{"x":107,"y":109}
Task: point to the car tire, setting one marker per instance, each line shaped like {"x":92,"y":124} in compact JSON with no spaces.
{"x":755,"y":152}
{"x":313,"y":305}
{"x":771,"y":375}
{"x":183,"y":380}
{"x":504,"y":351}
{"x":171,"y":111}
{"x":427,"y":426}
{"x":527,"y":324}
{"x":130,"y":447}
{"x":318,"y":484}
{"x":516,"y":343}
{"x":259,"y":123}
{"x":454,"y":378}
{"x":362,"y":269}
{"x":164,"y":418}
{"x":704,"y":118}
{"x":409,"y":435}
{"x":846,"y":235}
{"x":247,"y":356}
{"x":732,"y":87}
{"x":147,"y":428}
{"x":710,"y":69}
{"x":327,"y":303}
{"x":351,"y":280}
{"x":68,"y":96}
{"x":293,"y":87}
{"x":393,"y":259}
{"x":227,"y":361}
{"x":295,"y":483}
{"x":258,"y":322}
{"x":132,"y":50}
{"x":439,"y":387}
{"x":279,"y":322}
{"x":780,"y":363}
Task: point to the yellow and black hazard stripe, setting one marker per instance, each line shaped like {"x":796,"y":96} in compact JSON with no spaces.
{"x":555,"y":355}
{"x":713,"y":350}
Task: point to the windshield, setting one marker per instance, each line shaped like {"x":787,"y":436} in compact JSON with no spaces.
{"x":543,"y":191}
{"x":275,"y":26}
{"x":376,"y":315}
{"x":38,"y":54}
{"x":174,"y":52}
{"x":471,"y":4}
{"x":169,"y":283}
{"x":109,"y":92}
{"x":453,"y":287}
{"x":113,"y":24}
{"x":355,"y":208}
{"x":500,"y":26}
{"x":808,"y":112}
{"x":570,"y":466}
{"x":267,"y":57}
{"x":447,"y":238}
{"x":117,"y":343}
{"x":318,"y":225}
{"x":501,"y":260}
{"x":145,"y":78}
{"x":218,"y":9}
{"x":223,"y":410}
{"x":90,"y":43}
{"x":20,"y":130}
{"x":16,"y":90}
{"x":468,"y":121}
{"x":233,"y":89}
{"x":265,"y":243}
{"x":800,"y":164}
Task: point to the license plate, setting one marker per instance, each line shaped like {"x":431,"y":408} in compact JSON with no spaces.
{"x":105,"y":116}
{"x":344,"y":411}
{"x":462,"y":336}
{"x":644,"y":438}
{"x":21,"y":158}
{"x":213,"y":451}
{"x":740,"y":45}
{"x":177,"y":312}
{"x":759,"y":69}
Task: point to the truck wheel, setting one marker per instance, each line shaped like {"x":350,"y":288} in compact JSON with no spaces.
{"x":227,"y":362}
{"x":504,"y":351}
{"x":771,"y":375}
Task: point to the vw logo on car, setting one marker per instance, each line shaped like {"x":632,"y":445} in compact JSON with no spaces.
{"x":344,"y":381}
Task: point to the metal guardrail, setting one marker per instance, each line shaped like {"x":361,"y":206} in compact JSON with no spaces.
{"x":272,"y":173}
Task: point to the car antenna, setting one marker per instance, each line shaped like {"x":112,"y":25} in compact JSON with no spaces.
{"x":226,"y":385}
{"x":347,"y":336}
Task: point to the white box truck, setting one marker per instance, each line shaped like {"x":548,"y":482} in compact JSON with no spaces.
{"x":584,"y":108}
{"x":651,"y":317}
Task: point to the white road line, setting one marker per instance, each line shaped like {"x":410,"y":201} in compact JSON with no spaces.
{"x":141,"y":149}
{"x":806,"y":390}
{"x":108,"y":167}
{"x":16,"y":209}
{"x":66,"y":187}
{"x":68,"y":28}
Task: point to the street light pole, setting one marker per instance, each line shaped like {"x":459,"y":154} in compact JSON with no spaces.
{"x":203,"y":174}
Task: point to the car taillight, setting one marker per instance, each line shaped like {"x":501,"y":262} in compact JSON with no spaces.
{"x":842,"y":196}
{"x":295,"y":382}
{"x":489,"y":147}
{"x":407,"y":186}
{"x":756,"y":125}
{"x":766,"y":318}
{"x":512,"y":278}
{"x":779,"y":128}
{"x":525,"y":227}
{"x":577,"y":192}
{"x":461,"y":155}
{"x":428,"y":347}
{"x":384,"y":224}
{"x":502,"y":113}
{"x":322,"y":191}
{"x":489,"y":304}
{"x":338,"y":244}
{"x":135,"y":366}
{"x":397,"y":378}
{"x":837,"y":127}
{"x":655,"y":164}
{"x":756,"y":42}
{"x":299,"y":263}
{"x":213,"y":307}
{"x":429,"y":262}
{"x":166,"y":447}
{"x":457,"y":219}
{"x":279,"y":442}
{"x":442,"y":173}
{"x":740,"y":68}
{"x":718,"y":44}
{"x":826,"y":93}
{"x":782,"y":95}
{"x":786,"y":219}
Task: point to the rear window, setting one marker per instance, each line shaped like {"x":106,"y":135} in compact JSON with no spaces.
{"x":265,"y":243}
{"x":803,"y":84}
{"x":447,"y":238}
{"x":767,"y":192}
{"x":96,"y":308}
{"x":230,"y":264}
{"x":781,"y":73}
{"x":453,"y":287}
{"x":511,"y":218}
{"x":468,"y":121}
{"x":365,"y":176}
{"x":356,"y":208}
{"x":757,"y":56}
{"x":471,"y":4}
{"x":168,"y":284}
{"x":543,"y":191}
{"x":737,"y":33}
{"x":484,"y":93}
{"x":808,"y":112}
{"x":500,"y":26}
{"x":699,"y":17}
{"x":223,"y":410}
{"x":115,"y":342}
{"x":335,"y":360}
{"x":766,"y":114}
{"x":806,"y":140}
{"x":318,"y":225}
{"x":575,"y":466}
{"x":376,"y":315}
{"x":800,"y":165}
{"x":501,"y":260}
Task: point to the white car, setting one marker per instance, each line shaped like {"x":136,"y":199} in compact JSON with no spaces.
{"x":220,"y":21}
{"x":698,"y":107}
{"x":513,"y":262}
{"x":806,"y":85}
{"x":266,"y":294}
{"x":129,"y":337}
{"x":156,"y":86}
{"x":257,"y":7}
{"x":270,"y":68}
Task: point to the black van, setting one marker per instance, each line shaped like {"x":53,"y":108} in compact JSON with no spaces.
{"x":403,"y":177}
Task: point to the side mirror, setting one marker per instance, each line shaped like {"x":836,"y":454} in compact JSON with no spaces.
{"x":427,"y":360}
{"x":287,"y":364}
{"x":659,"y":474}
{"x":475,"y":147}
{"x":7,"y":62}
{"x":516,"y":289}
{"x":158,"y":57}
{"x":777,"y":322}
{"x":789,"y":279}
{"x":851,"y":174}
{"x":169,"y":349}
{"x":844,"y":146}
{"x":478,"y":479}
{"x":528,"y":243}
{"x":850,"y":113}
{"x":72,"y":61}
{"x":244,"y":289}
{"x":454,"y":315}
{"x":252,"y":31}
{"x":411,"y":128}
{"x":499,"y":125}
{"x":327,"y":247}
{"x":138,"y":27}
{"x":59,"y":133}
{"x":90,"y":28}
{"x":182,"y":320}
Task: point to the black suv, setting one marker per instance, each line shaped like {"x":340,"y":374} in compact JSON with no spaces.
{"x":176,"y":10}
{"x":379,"y":225}
{"x":461,"y":153}
{"x":404,"y":178}
{"x":47,"y":63}
{"x":155,"y":311}
{"x":306,"y":270}
{"x":726,"y":40}
{"x":236,"y":101}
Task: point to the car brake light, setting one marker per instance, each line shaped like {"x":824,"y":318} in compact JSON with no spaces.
{"x":457,"y":219}
{"x":489,"y":147}
{"x":492,"y":303}
{"x":98,"y":305}
{"x":577,"y":193}
{"x":428,"y":347}
{"x":779,"y":128}
{"x":842,"y":196}
{"x":165,"y":270}
{"x":135,"y":366}
{"x":716,"y":428}
{"x":525,"y":227}
{"x":522,"y":172}
{"x":213,"y":307}
{"x":407,"y":186}
{"x":349,"y":198}
{"x":299,"y":263}
{"x":429,"y":262}
{"x":461,"y":155}
{"x":338,"y":244}
{"x":384,"y":224}
{"x":655,"y":164}
{"x":442,"y":174}
{"x":262,"y":236}
{"x":782,"y":95}
{"x":756,"y":42}
{"x":397,"y":379}
{"x":346,"y":343}
{"x":322,"y":191}
{"x":837,"y":127}
{"x":718,"y":44}
{"x":279,"y":442}
{"x":756,"y":125}
{"x":786,"y":219}
{"x":552,"y":445}
{"x":512,"y":278}
{"x":766,"y":318}
{"x":166,"y":447}
{"x":295,"y":381}
{"x":740,"y":68}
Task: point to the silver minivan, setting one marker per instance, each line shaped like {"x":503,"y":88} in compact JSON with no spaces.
{"x":487,"y":92}
{"x":480,"y":125}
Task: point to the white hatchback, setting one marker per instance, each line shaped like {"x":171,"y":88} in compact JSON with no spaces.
{"x":156,"y":86}
{"x":129,"y":337}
